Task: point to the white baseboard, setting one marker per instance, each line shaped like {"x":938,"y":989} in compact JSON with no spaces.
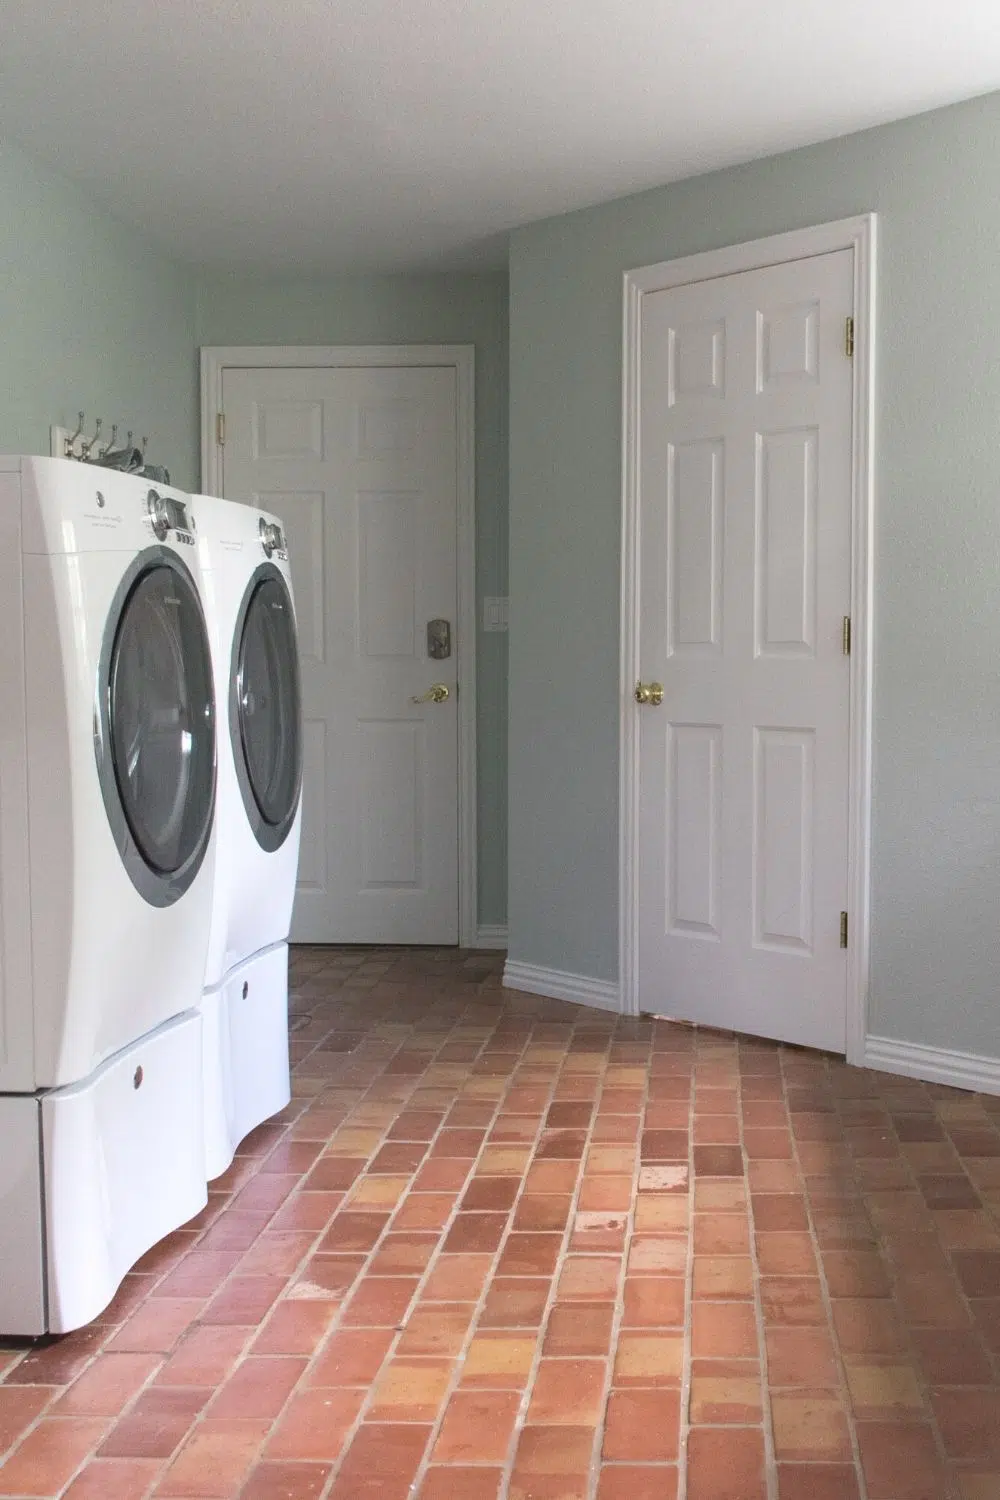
{"x":960,"y":1070}
{"x":491,"y":935}
{"x":601,"y":994}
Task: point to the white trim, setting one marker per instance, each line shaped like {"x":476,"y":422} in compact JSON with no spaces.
{"x":857,"y":234}
{"x":960,"y":1070}
{"x":492,"y":935}
{"x":600,"y":994}
{"x":461,"y":357}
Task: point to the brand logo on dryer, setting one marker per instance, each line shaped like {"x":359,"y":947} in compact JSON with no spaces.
{"x":167,"y":514}
{"x":101,"y":518}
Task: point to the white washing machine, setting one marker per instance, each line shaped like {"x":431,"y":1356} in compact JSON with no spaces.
{"x":248,"y":595}
{"x":107,"y":800}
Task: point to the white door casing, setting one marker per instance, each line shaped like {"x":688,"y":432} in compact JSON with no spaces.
{"x":746,"y":543}
{"x":364,"y":461}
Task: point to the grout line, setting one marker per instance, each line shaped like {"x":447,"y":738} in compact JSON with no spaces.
{"x":255,"y":1330}
{"x":687,"y":1357}
{"x":842,"y":1382}
{"x":924,"y":1384}
{"x":480,"y":1303}
{"x":443,"y":1232}
{"x":993,"y":1356}
{"x":567,"y":1235}
{"x":772,"y":1477}
{"x":343,"y":1205}
{"x":618,"y":1306}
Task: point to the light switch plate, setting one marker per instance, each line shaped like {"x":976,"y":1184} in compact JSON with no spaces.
{"x":495,"y":613}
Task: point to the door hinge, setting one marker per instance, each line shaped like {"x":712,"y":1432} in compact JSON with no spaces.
{"x":220,"y":428}
{"x":843,"y":929}
{"x":849,"y":338}
{"x":846,"y":635}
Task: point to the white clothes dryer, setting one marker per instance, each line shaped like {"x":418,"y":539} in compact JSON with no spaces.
{"x":107,"y":814}
{"x":248,"y":592}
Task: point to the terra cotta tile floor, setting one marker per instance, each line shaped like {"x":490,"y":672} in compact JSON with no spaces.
{"x":505,"y":1247}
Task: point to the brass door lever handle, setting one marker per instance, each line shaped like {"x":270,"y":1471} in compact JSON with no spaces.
{"x":436,"y":694}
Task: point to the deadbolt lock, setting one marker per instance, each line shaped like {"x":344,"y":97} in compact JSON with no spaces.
{"x":438,"y":639}
{"x":649,"y":692}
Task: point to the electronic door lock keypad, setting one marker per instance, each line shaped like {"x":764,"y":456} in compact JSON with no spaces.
{"x":438,"y":639}
{"x":272,"y":539}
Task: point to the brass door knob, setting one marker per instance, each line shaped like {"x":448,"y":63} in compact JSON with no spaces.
{"x":649,"y":692}
{"x":436,"y":694}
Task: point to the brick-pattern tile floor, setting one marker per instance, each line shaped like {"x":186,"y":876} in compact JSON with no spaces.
{"x":504,"y":1247}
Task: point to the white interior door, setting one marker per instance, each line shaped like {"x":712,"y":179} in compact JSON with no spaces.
{"x":360,"y":463}
{"x":745,"y":417}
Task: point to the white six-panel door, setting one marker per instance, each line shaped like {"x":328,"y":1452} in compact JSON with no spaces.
{"x":360,"y":463}
{"x":744,"y":473}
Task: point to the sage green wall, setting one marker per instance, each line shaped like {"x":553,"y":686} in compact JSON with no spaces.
{"x":934,"y":182}
{"x":90,"y":316}
{"x":93,"y":316}
{"x":443,"y":309}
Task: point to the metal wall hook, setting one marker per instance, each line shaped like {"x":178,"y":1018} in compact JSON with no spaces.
{"x":107,"y":453}
{"x":87,"y":448}
{"x":71,"y":441}
{"x":111,"y":453}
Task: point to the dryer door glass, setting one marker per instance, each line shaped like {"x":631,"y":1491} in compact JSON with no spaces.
{"x":162,"y":729}
{"x":267,"y":738}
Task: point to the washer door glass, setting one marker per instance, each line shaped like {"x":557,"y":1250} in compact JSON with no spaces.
{"x":268,"y":754}
{"x":161,"y":727}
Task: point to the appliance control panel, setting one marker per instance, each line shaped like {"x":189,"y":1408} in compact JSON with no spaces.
{"x":169,"y":513}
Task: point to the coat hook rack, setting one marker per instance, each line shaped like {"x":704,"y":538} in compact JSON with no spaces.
{"x":101,"y":451}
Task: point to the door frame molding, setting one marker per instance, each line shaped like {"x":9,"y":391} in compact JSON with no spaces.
{"x":857,"y":234}
{"x":461,"y":358}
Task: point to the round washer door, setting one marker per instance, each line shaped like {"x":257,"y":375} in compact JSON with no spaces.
{"x":155,"y":726}
{"x":264,"y":709}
